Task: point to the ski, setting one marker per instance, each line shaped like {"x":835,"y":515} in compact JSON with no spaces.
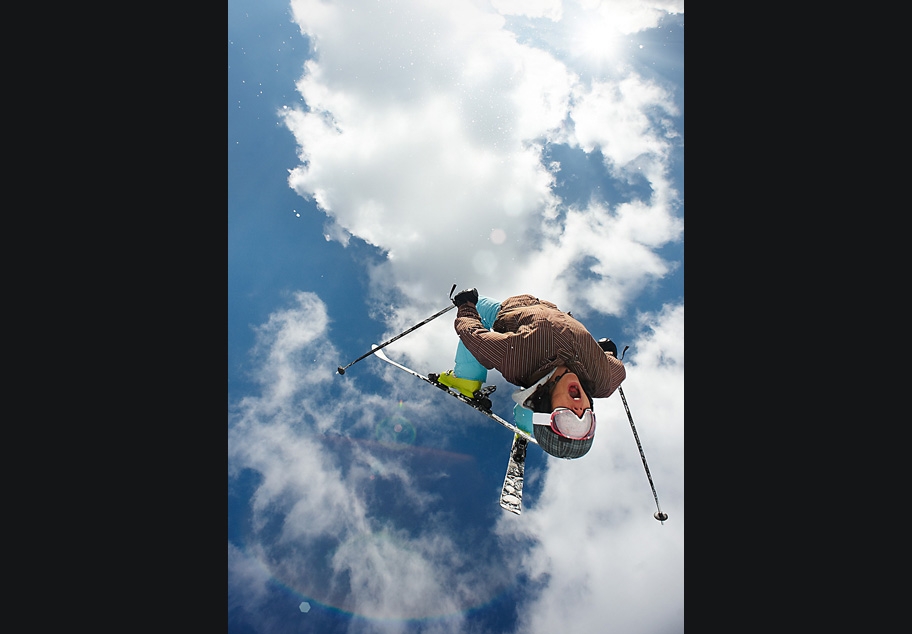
{"x":481,"y":403}
{"x":511,"y":493}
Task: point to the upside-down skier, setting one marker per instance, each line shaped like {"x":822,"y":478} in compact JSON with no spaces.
{"x":550,"y":355}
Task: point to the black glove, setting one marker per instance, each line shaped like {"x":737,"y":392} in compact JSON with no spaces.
{"x":608,"y":346}
{"x":467,"y":296}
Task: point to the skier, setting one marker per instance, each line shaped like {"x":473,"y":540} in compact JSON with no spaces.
{"x":551,"y":356}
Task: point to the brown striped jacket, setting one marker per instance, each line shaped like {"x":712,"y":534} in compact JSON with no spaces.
{"x":532,"y":336}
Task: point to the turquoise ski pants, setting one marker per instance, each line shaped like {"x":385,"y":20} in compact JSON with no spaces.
{"x":466,"y":366}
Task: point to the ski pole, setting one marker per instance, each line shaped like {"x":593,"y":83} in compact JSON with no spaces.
{"x":659,"y":515}
{"x":341,"y":370}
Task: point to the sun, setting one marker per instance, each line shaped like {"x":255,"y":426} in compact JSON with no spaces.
{"x":596,"y":41}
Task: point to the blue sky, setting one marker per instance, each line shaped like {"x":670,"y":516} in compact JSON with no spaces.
{"x":378,"y":152}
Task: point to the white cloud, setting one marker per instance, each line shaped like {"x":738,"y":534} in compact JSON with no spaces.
{"x":550,"y":9}
{"x":588,"y":542}
{"x":249,"y":579}
{"x":393,"y":576}
{"x":424,"y":132}
{"x":615,"y":118}
{"x":601,"y":555}
{"x":593,"y":516}
{"x":631,"y":16}
{"x":320,"y":519}
{"x":628,"y":16}
{"x":286,"y":339}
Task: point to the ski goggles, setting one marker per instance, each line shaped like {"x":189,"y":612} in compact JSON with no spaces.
{"x":564,"y":422}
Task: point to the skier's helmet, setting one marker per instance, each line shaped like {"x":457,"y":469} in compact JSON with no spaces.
{"x":560,"y":432}
{"x":558,"y":445}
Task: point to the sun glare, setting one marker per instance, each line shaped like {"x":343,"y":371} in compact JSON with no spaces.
{"x":597,"y":41}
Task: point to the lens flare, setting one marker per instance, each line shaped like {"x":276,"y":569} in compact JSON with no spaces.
{"x":396,"y":429}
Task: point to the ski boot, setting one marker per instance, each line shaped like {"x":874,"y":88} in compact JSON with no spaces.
{"x":465,"y":387}
{"x":519,"y":455}
{"x":481,"y":397}
{"x":470,"y":389}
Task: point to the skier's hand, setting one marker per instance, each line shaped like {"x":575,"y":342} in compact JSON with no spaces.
{"x":608,"y":346}
{"x":467,"y":296}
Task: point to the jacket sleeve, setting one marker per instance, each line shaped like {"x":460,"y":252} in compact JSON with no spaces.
{"x":606,"y":372}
